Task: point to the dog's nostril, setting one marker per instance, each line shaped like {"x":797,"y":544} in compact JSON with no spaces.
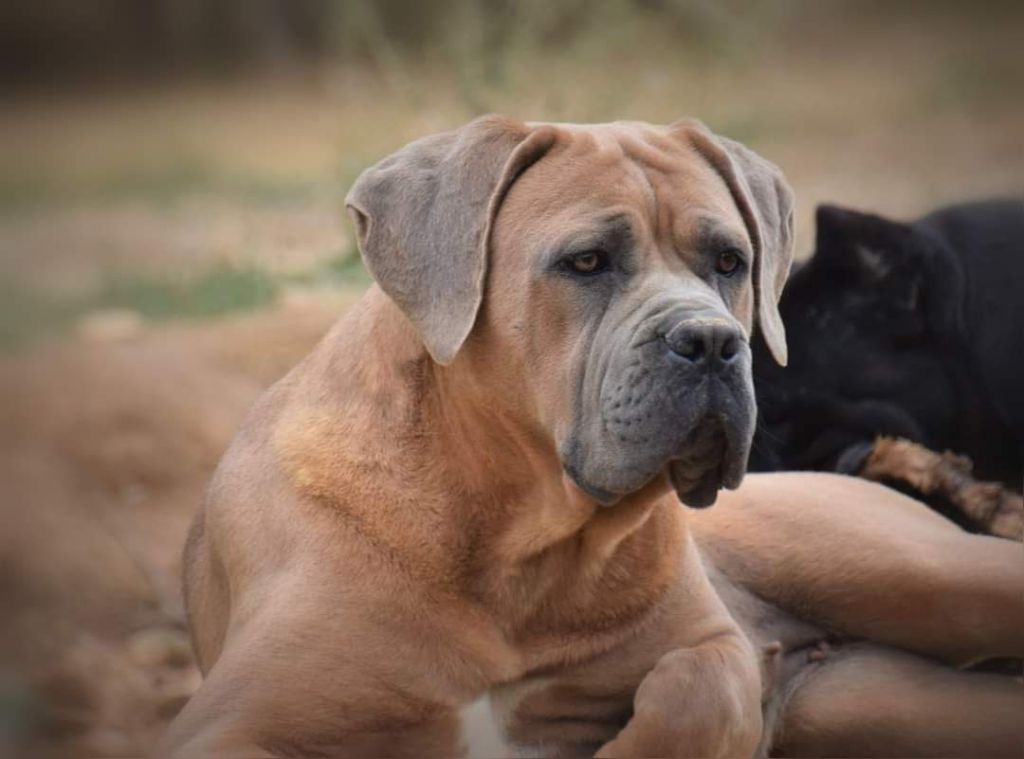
{"x":690,"y":347}
{"x":730,"y":347}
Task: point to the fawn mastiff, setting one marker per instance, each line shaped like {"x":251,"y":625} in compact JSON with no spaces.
{"x":472,"y":486}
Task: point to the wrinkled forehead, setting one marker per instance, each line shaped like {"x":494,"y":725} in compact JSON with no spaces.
{"x":649,"y":177}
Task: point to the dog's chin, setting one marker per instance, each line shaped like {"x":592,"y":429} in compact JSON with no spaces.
{"x":602,"y":496}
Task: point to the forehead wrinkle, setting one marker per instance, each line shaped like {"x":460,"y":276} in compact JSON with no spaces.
{"x":596,"y":144}
{"x":608,"y":165}
{"x":594,"y":163}
{"x":646,"y":186}
{"x":597,"y":226}
{"x":711,"y":232}
{"x":701,"y":209}
{"x":662,"y":160}
{"x":654,"y":151}
{"x":653,"y":158}
{"x":576,"y":171}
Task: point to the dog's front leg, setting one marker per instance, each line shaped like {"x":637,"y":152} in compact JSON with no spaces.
{"x":702,"y":701}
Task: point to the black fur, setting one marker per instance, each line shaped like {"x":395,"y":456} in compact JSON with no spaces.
{"x":907,"y":329}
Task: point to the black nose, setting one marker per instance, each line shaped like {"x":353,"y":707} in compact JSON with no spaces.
{"x":705,"y":341}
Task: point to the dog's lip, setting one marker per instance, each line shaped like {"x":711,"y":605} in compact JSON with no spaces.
{"x":734,"y":468}
{"x":726,"y":470}
{"x":696,"y":493}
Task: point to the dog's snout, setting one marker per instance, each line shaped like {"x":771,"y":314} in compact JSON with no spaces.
{"x":705,"y":341}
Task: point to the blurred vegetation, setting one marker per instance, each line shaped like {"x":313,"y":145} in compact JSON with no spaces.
{"x":143,"y":39}
{"x":221,"y":289}
{"x":256,"y":111}
{"x":43,"y":38}
{"x":28,"y":313}
{"x":578,"y":60}
{"x":158,"y":185}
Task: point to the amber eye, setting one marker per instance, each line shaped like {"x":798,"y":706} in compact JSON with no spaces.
{"x":588,"y":262}
{"x":728,"y":263}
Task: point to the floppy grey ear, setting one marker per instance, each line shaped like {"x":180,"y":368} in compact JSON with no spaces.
{"x":766,"y":204}
{"x":423,"y":217}
{"x":771,"y":210}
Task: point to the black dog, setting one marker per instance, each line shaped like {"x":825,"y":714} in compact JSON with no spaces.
{"x":910,"y":330}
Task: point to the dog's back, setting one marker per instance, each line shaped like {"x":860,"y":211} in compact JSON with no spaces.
{"x":988,"y":239}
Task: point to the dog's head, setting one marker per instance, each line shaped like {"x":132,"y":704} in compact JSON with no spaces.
{"x":608,"y":277}
{"x":873,"y":317}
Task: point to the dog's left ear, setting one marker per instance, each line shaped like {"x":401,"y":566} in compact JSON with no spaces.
{"x":423,"y":218}
{"x":765,"y":201}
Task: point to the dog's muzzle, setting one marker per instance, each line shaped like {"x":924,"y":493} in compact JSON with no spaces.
{"x":709,"y":350}
{"x":680,"y":404}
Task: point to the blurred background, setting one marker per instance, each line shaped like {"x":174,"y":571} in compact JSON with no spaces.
{"x":171,"y":238}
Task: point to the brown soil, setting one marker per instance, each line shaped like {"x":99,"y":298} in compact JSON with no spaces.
{"x":106,"y":449}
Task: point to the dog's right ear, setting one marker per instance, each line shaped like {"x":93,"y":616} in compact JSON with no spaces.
{"x":423,"y":218}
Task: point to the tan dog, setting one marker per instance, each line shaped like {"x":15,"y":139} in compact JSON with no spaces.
{"x":467,"y":488}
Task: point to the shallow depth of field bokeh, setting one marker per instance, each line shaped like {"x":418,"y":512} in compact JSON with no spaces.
{"x":172,"y":238}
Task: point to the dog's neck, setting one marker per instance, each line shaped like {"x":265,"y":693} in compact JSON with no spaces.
{"x":491,"y":500}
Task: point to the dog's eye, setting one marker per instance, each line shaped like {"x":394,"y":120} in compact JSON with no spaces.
{"x":728,"y":263}
{"x":587,"y":262}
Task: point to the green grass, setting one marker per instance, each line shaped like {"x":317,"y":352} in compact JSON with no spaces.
{"x":28,"y":314}
{"x":221,"y":289}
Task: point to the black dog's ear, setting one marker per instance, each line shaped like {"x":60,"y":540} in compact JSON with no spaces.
{"x":860,"y":242}
{"x":423,"y":218}
{"x":900,"y":264}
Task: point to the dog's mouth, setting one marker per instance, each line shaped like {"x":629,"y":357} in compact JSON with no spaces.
{"x":709,"y":462}
{"x":711,"y":457}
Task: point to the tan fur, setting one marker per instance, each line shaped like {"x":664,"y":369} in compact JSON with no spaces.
{"x":389,"y":538}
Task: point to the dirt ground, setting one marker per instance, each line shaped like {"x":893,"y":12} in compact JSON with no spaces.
{"x":111,"y":421}
{"x":106,"y":451}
